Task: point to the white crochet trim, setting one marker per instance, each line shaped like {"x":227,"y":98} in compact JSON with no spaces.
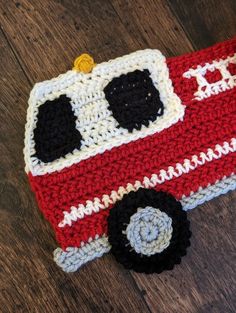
{"x":94,"y":120}
{"x":206,"y":89}
{"x":97,"y":204}
{"x":73,"y":258}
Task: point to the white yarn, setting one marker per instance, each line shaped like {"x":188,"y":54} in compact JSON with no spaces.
{"x":73,"y":258}
{"x":97,"y":204}
{"x":149,"y":231}
{"x":206,"y":89}
{"x":94,"y":120}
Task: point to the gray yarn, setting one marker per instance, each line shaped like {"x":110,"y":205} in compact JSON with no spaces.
{"x":149,"y":231}
{"x":208,"y":193}
{"x":73,"y":258}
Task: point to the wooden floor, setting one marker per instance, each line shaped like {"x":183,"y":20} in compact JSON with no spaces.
{"x":39,"y":40}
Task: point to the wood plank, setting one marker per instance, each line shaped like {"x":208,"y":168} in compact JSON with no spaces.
{"x":45,"y":37}
{"x":205,"y":281}
{"x":48,"y":35}
{"x":30,"y":280}
{"x":206,"y":22}
{"x":200,"y":284}
{"x":153,"y":25}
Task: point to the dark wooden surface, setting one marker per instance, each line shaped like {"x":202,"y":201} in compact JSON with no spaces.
{"x":39,"y":40}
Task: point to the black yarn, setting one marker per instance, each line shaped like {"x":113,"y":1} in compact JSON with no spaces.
{"x":55,"y":134}
{"x":119,"y":218}
{"x":133,"y":100}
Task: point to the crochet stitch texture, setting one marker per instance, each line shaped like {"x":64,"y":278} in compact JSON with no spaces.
{"x":118,"y":153}
{"x":174,"y":231}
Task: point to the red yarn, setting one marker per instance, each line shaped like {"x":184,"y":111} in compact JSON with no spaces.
{"x":95,"y":224}
{"x":206,"y":123}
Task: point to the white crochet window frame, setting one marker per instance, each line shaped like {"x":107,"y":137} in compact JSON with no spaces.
{"x":93,"y":118}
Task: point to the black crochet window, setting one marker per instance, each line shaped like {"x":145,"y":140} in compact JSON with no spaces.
{"x":55,"y":134}
{"x":134,"y":100}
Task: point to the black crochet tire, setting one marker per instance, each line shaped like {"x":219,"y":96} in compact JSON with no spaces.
{"x":120,"y":216}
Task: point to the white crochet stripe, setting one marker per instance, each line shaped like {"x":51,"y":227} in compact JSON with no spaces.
{"x":97,"y":204}
{"x":95,"y":122}
{"x":206,"y":89}
{"x":73,"y":258}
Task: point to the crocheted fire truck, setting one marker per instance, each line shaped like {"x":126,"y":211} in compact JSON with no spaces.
{"x":116,"y":153}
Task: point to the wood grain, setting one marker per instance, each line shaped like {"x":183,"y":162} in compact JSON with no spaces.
{"x":205,"y":281}
{"x":206,"y":22}
{"x":39,"y":40}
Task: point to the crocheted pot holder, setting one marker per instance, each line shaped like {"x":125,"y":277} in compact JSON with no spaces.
{"x":116,"y":153}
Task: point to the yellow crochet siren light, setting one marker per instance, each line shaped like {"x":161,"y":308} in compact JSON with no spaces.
{"x":84,"y":63}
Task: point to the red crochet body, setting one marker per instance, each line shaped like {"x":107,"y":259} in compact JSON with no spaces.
{"x":205,"y":124}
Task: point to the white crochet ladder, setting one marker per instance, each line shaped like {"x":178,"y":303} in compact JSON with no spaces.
{"x":206,"y":89}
